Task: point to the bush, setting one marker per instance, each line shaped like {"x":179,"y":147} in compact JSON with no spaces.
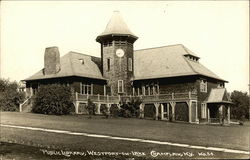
{"x":104,"y":110}
{"x":53,"y":99}
{"x":10,"y":98}
{"x":131,"y":108}
{"x":91,"y":108}
{"x":114,"y":110}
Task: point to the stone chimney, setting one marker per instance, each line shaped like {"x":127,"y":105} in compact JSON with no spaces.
{"x":51,"y":60}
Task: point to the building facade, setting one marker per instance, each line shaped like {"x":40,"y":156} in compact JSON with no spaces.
{"x":170,"y":80}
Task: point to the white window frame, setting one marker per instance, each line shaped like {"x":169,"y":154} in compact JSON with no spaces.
{"x":86,"y":89}
{"x":120,"y":84}
{"x":130,"y":64}
{"x":203,"y":110}
{"x":203,"y":86}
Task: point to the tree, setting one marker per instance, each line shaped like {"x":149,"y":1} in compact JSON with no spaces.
{"x":53,"y":99}
{"x":10,"y":98}
{"x":240,"y":108}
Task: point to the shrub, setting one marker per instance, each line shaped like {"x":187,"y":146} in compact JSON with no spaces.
{"x":114,"y":110}
{"x":104,"y":110}
{"x":53,"y":99}
{"x":91,"y":108}
{"x":10,"y":98}
{"x":130,"y":108}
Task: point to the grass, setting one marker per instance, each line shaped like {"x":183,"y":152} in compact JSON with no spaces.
{"x":234,"y":137}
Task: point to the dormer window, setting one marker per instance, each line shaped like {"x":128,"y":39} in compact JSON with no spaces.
{"x":192,"y":58}
{"x":81,"y":61}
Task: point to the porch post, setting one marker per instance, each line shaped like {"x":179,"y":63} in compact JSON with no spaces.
{"x":156,"y":110}
{"x":228,"y":114}
{"x":142,"y":105}
{"x":196,"y":113}
{"x":76,"y":103}
{"x":189,"y":111}
{"x":208,"y":115}
{"x":98,"y":108}
{"x":104,"y":90}
{"x":168,"y":110}
{"x":173,"y":110}
{"x":108,"y":106}
{"x":162,"y":111}
{"x":76,"y":107}
{"x":221,"y":113}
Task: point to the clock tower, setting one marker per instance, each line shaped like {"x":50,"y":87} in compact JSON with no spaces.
{"x":117,"y":55}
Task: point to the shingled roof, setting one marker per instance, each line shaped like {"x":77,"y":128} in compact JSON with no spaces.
{"x":116,"y":26}
{"x":160,"y":62}
{"x":74,"y":64}
{"x":167,"y":61}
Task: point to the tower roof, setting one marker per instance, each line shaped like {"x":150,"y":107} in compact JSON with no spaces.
{"x":116,"y":26}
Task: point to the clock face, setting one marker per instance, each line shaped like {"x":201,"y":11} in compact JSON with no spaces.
{"x":119,"y":52}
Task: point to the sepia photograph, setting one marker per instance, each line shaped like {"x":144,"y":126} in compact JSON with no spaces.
{"x":124,"y":80}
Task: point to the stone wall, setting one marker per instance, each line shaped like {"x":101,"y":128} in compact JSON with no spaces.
{"x":118,"y":66}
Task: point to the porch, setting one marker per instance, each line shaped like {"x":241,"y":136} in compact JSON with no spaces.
{"x":165,"y":106}
{"x":218,"y":113}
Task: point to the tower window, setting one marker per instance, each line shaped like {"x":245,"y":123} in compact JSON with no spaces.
{"x":130,"y":64}
{"x":120,"y":86}
{"x":108,"y":64}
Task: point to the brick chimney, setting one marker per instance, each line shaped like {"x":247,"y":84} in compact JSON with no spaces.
{"x":51,"y":60}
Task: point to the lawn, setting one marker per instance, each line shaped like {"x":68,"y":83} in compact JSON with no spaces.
{"x":234,"y":137}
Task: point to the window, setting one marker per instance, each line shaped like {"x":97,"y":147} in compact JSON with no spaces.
{"x":203,"y":110}
{"x":81,"y":61}
{"x":203,"y":86}
{"x":220,"y":85}
{"x":130,"y":64}
{"x":120,"y":86}
{"x":86,"y":89}
{"x":108,"y":64}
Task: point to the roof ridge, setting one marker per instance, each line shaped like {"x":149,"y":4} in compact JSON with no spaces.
{"x":82,"y":54}
{"x":159,"y":47}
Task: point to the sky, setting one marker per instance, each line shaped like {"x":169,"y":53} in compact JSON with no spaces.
{"x":217,"y":31}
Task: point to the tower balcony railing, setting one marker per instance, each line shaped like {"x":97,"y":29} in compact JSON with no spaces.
{"x":143,"y":98}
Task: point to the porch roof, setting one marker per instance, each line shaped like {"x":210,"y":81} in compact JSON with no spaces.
{"x":219,"y":95}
